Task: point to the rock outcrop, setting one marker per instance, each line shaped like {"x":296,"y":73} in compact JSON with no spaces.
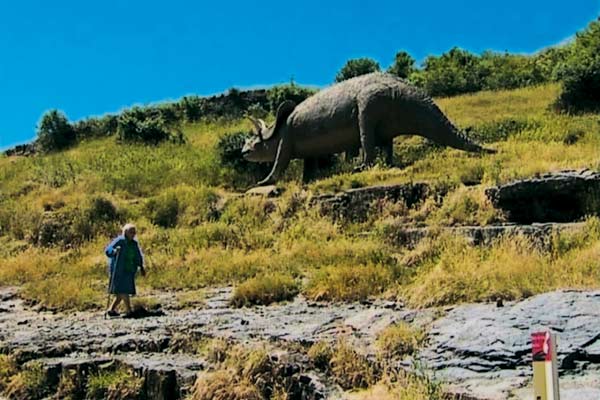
{"x":556,"y":197}
{"x":485,"y":350}
{"x":357,"y":204}
{"x":539,"y":234}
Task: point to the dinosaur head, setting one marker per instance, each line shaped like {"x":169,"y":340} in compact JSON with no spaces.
{"x":262,"y":147}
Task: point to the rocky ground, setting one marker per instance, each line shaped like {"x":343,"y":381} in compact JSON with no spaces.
{"x":481,"y":351}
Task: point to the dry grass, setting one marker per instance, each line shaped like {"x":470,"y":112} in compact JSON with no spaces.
{"x":513,"y":268}
{"x":8,"y":368}
{"x":351,"y":282}
{"x":399,"y":340}
{"x":264,"y":290}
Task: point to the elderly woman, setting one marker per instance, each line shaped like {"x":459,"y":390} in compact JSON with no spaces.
{"x":125,"y":256}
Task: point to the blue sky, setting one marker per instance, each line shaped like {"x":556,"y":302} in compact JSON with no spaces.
{"x":91,"y":57}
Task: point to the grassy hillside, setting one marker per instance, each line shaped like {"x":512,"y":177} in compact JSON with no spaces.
{"x":57,"y":212}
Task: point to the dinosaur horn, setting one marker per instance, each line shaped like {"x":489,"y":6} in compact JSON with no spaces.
{"x":259,"y":126}
{"x":255,"y":123}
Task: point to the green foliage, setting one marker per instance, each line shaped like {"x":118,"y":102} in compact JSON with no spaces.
{"x":581,"y":73}
{"x":146,"y":126}
{"x":278,"y":94}
{"x":357,"y":67}
{"x":163,"y":210}
{"x":54,"y":132}
{"x":403,"y":66}
{"x":454,"y":72}
{"x":244,"y":173}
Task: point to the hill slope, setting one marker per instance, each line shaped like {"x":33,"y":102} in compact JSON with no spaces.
{"x":58,"y":211}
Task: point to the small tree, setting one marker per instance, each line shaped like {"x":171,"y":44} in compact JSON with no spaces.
{"x":278,"y":94}
{"x":54,"y":132}
{"x":581,"y":73}
{"x":455,"y":72}
{"x":403,"y":66}
{"x":357,"y":67}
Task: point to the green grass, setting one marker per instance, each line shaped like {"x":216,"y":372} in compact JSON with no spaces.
{"x":197,"y":232}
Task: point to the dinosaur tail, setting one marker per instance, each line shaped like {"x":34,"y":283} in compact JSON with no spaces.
{"x":442,"y":131}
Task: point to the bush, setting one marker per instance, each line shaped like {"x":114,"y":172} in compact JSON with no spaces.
{"x":357,"y":67}
{"x":163,"y":210}
{"x":244,"y":173}
{"x":581,"y":73}
{"x":54,"y":132}
{"x":146,"y":126}
{"x":278,"y":94}
{"x":403,"y":66}
{"x":455,"y":72}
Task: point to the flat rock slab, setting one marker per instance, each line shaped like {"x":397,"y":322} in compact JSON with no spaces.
{"x":557,"y":197}
{"x":485,"y":350}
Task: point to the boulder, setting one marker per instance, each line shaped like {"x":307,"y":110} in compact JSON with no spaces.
{"x":563,"y":196}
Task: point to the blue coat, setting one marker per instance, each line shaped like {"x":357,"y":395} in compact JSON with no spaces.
{"x":122,"y":281}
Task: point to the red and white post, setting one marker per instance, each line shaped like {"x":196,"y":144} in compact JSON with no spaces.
{"x":545,"y":370}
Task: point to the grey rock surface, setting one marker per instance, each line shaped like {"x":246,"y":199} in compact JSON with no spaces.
{"x":563,"y":196}
{"x":480,"y":351}
{"x":485,"y":350}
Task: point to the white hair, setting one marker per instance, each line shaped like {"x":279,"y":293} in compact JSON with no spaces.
{"x":127,"y":227}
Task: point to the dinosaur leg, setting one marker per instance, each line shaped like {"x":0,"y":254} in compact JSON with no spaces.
{"x":282,"y":160}
{"x":367,"y":138}
{"x":310,"y":169}
{"x":389,"y":153}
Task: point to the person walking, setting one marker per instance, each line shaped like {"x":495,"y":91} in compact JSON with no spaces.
{"x":125,"y":257}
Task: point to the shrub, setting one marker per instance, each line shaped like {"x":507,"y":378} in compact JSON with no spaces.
{"x":245,"y":173}
{"x":357,"y":67}
{"x":163,"y":210}
{"x":55,"y":132}
{"x":264,"y":290}
{"x":581,"y":73}
{"x":455,"y":72}
{"x":146,"y":126}
{"x":403,"y":66}
{"x":278,"y":94}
